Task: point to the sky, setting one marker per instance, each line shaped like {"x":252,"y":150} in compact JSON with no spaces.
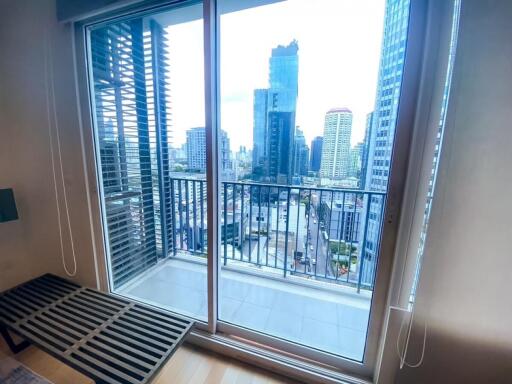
{"x":339,"y":50}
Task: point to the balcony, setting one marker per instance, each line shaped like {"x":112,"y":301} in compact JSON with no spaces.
{"x":292,"y":261}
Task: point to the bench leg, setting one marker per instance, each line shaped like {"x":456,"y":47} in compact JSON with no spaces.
{"x":15,"y":348}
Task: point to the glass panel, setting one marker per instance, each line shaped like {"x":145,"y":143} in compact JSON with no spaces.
{"x":309,"y":101}
{"x":148,"y":92}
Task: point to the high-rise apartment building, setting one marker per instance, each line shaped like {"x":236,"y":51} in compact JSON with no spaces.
{"x":274,"y":116}
{"x":335,"y":161}
{"x":383,"y":124}
{"x":316,"y":154}
{"x":301,"y":154}
{"x":196,"y":150}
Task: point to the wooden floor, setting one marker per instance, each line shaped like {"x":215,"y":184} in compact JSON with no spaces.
{"x":189,"y":365}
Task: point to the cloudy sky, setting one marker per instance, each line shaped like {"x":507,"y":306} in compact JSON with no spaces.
{"x":339,"y":48}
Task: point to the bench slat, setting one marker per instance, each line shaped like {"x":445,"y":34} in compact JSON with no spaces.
{"x":108,"y":338}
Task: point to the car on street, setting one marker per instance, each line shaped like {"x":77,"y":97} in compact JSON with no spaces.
{"x":305,"y":260}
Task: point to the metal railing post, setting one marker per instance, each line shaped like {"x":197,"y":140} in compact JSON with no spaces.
{"x":173,"y":217}
{"x":225,"y":223}
{"x":328,"y":250}
{"x":277,"y":231}
{"x":194,"y":215}
{"x":363,"y":244}
{"x":297,"y":231}
{"x":242,"y":220}
{"x":268,"y":227}
{"x":259,"y":226}
{"x":308,"y":210}
{"x":233,"y":188}
{"x":250,"y":223}
{"x":286,"y":233}
{"x":317,"y":212}
{"x":187,"y":214}
{"x":339,"y":234}
{"x":201,"y":192}
{"x":351,"y":234}
{"x":180,"y":212}
{"x":381,"y":220}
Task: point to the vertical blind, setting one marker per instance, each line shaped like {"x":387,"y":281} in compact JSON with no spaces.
{"x":130,"y":71}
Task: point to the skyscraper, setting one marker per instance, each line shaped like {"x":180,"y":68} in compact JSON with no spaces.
{"x":316,"y":154}
{"x":274,"y":116}
{"x":225,"y":151}
{"x":366,"y":150}
{"x":284,"y":78}
{"x":196,"y":149}
{"x":259,"y":133}
{"x":356,"y":161}
{"x":280,"y":150}
{"x":336,"y":144}
{"x":383,"y":124}
{"x":300,"y":154}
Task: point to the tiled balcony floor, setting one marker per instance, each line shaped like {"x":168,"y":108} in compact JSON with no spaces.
{"x":330,"y":319}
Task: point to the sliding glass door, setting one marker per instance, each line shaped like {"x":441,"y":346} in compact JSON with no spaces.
{"x":244,"y":162}
{"x":148,"y":92}
{"x":309,"y":100}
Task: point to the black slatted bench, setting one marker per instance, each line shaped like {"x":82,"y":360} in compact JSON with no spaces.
{"x":109,"y":339}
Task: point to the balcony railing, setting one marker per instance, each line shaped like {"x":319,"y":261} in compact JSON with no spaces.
{"x":318,"y":233}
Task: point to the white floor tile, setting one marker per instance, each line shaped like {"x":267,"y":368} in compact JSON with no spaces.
{"x":298,"y":313}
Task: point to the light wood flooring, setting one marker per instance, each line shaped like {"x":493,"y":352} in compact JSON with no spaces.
{"x":189,"y":365}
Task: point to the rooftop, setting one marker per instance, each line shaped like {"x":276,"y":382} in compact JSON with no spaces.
{"x":339,"y":110}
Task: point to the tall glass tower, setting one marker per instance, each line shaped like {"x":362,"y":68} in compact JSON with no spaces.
{"x":383,"y":123}
{"x":274,"y":116}
{"x":284,"y":78}
{"x":316,"y":153}
{"x":260,"y":111}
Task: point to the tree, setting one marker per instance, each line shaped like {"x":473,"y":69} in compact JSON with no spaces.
{"x":341,"y":248}
{"x":305,"y":200}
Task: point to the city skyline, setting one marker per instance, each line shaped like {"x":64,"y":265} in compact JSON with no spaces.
{"x":316,"y":31}
{"x":280,"y":153}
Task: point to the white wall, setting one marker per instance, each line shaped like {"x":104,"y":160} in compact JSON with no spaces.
{"x":464,"y":293}
{"x":30,"y":246}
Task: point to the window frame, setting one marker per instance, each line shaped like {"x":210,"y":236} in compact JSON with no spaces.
{"x":214,"y":330}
